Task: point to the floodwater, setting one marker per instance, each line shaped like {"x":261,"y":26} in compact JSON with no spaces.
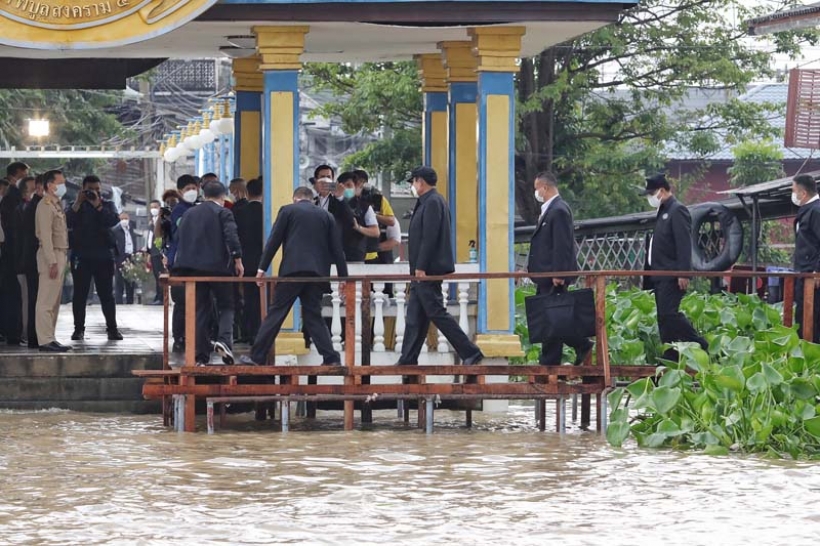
{"x":68,"y":478}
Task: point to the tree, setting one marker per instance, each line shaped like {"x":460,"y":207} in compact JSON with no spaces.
{"x":77,"y":118}
{"x":604,"y":109}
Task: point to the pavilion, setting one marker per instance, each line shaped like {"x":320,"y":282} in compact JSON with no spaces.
{"x":467,"y":52}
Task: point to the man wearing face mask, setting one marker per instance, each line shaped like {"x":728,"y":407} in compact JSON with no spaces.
{"x":125,"y":239}
{"x":90,"y":220}
{"x":552,"y":248}
{"x":670,"y":249}
{"x":365,"y":225}
{"x":52,"y":232}
{"x":209,"y":246}
{"x":806,"y":245}
{"x":188,"y":188}
{"x":153,"y":245}
{"x":431,"y":253}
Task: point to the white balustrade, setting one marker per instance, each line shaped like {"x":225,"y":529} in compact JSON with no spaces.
{"x":359,"y":317}
{"x":378,"y":318}
{"x":463,"y":300}
{"x":443,"y":346}
{"x":336,"y":320}
{"x":399,"y":290}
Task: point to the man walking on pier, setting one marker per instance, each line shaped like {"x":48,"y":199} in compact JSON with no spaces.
{"x":670,"y":249}
{"x":431,"y":253}
{"x":552,"y":248}
{"x":806,"y":244}
{"x":307,"y":235}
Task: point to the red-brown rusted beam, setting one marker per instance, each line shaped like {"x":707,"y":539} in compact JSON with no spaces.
{"x":431,"y":389}
{"x":602,"y":354}
{"x":350,"y":348}
{"x":165,"y":321}
{"x":367,"y":344}
{"x":190,"y":323}
{"x":788,"y":302}
{"x":808,"y":309}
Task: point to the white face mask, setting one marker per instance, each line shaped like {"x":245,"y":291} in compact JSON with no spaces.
{"x":539,"y":197}
{"x":414,"y":191}
{"x":795,"y":199}
{"x":654,"y":200}
{"x":154,"y":212}
{"x":124,"y":224}
{"x":190,"y":196}
{"x":60,"y":191}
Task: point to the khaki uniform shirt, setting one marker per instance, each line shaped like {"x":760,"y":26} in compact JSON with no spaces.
{"x":50,"y":228}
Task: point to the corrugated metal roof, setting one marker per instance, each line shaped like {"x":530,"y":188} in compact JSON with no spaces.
{"x":768,"y":189}
{"x":784,"y":14}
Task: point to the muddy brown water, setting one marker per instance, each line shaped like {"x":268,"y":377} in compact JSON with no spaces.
{"x":69,"y":478}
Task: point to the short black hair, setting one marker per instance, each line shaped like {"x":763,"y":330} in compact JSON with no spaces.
{"x":186,"y":180}
{"x":16,"y":167}
{"x":91,"y":179}
{"x":807,"y":182}
{"x":152,"y":201}
{"x":361,"y":175}
{"x":21,"y":184}
{"x":255,"y":187}
{"x":303,"y":192}
{"x":346,"y":177}
{"x":214,"y":189}
{"x":49,"y":176}
{"x":548,"y":178}
{"x":208,"y":176}
{"x":321,"y":168}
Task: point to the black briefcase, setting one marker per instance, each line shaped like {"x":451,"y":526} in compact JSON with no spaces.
{"x":561,"y":315}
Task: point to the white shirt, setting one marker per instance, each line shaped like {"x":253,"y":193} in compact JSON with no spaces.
{"x":323,"y":201}
{"x":547,"y":204}
{"x":370,"y":218}
{"x":394,"y":232}
{"x":129,"y":243}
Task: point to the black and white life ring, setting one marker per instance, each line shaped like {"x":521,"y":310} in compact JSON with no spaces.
{"x":732,"y":237}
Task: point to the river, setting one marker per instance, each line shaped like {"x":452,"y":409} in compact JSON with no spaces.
{"x":69,"y":478}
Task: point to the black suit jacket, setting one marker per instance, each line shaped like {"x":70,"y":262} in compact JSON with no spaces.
{"x":119,"y":243}
{"x":309,"y":240}
{"x":552,"y":247}
{"x":671,"y":239}
{"x":28,"y":244}
{"x":807,"y":238}
{"x":429,"y":237}
{"x":249,"y":223}
{"x":207,"y":240}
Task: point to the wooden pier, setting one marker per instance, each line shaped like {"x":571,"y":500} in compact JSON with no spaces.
{"x":182,"y":388}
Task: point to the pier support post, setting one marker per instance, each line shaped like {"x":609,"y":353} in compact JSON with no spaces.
{"x":603,"y":411}
{"x":429,"y":415}
{"x":541,"y":414}
{"x":210,"y":417}
{"x":285,"y":415}
{"x":561,"y":415}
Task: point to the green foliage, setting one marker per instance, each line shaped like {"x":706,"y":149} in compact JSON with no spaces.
{"x":77,"y":118}
{"x":756,"y":162}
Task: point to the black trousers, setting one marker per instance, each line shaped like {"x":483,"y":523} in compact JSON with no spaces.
{"x":672,"y":324}
{"x":157,"y":269}
{"x":33,"y":284}
{"x":310,"y":296}
{"x":11,"y":298}
{"x":120,"y":286}
{"x":552,"y":351}
{"x":178,"y":316}
{"x":798,"y":314}
{"x":211,"y":297}
{"x":83,"y":271}
{"x":426,"y":306}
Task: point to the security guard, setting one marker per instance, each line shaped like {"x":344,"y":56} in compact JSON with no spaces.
{"x":806,"y":243}
{"x":670,"y":249}
{"x":52,"y":232}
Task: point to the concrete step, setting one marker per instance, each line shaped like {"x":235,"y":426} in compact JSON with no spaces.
{"x":70,"y":389}
{"x":36,"y":364}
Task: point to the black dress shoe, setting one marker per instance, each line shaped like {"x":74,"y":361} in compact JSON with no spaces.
{"x":64,"y":346}
{"x":473,"y":360}
{"x":53,"y":347}
{"x":179,"y":347}
{"x":78,"y":335}
{"x":114,"y":335}
{"x":582,"y":354}
{"x":33,"y":345}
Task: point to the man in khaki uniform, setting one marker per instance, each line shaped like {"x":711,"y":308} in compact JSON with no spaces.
{"x":50,"y":228}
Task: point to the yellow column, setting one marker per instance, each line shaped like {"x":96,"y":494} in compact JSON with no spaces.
{"x":434,"y":130}
{"x":248,"y":84}
{"x":496,"y":49}
{"x":461,"y":64}
{"x":279,"y":49}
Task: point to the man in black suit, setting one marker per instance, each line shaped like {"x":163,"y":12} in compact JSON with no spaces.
{"x":670,"y":249}
{"x":28,"y":258}
{"x":125,"y":244}
{"x":249,"y":222}
{"x":806,"y":244}
{"x":208,"y":246}
{"x":153,"y":246}
{"x":310,"y":244}
{"x":552,"y":248}
{"x":89,"y":221}
{"x":332,"y":201}
{"x":431,"y":253}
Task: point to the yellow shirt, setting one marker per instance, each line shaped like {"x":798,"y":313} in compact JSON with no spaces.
{"x":387,"y":210}
{"x":50,"y":228}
